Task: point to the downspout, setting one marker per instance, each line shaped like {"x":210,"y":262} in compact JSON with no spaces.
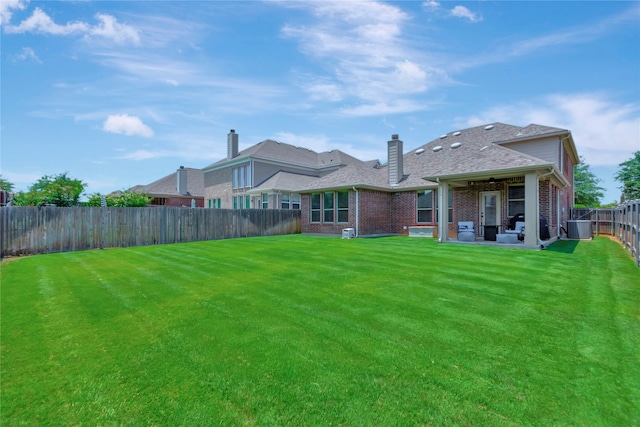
{"x":538,"y":203}
{"x":357,"y":210}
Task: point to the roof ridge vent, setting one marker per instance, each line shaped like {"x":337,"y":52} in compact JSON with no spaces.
{"x":437,"y":148}
{"x":488,"y":127}
{"x":420,"y":151}
{"x":458,"y":133}
{"x":456,"y":145}
{"x":443,"y":136}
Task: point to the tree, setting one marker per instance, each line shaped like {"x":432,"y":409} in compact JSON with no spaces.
{"x":588,"y":192}
{"x":629,"y":175}
{"x":59,"y":190}
{"x":6,"y":185}
{"x":127,"y":199}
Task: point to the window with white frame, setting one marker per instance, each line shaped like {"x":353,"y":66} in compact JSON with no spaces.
{"x":327,"y":207}
{"x":242,"y":176}
{"x":295,"y":201}
{"x":342,"y":204}
{"x":265,"y":201}
{"x":315,"y":207}
{"x":515,"y":200}
{"x":285,"y":201}
{"x":425,"y":205}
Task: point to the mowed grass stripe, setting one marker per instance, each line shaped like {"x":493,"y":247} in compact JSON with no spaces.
{"x":308,"y":331}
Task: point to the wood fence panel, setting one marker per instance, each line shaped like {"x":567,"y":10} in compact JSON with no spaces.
{"x":47,"y":229}
{"x":623,"y":222}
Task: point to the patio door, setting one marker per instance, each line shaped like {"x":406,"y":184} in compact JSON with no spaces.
{"x":489,"y":210}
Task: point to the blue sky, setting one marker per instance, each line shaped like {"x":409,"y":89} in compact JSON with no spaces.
{"x":123,"y":93}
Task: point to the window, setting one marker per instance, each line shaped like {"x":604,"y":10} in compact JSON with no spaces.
{"x":332,"y":205}
{"x":515,"y":202}
{"x":285,"y":204}
{"x":265,"y":201}
{"x":242,"y":176}
{"x":235,"y":177}
{"x":241,"y":202}
{"x":327,"y":206}
{"x":214,"y":203}
{"x":315,"y":207}
{"x":343,"y":206}
{"x":425,"y":205}
{"x":295,"y":201}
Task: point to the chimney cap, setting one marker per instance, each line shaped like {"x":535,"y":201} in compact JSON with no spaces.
{"x":181,"y":167}
{"x":232,"y":131}
{"x":394,"y":136}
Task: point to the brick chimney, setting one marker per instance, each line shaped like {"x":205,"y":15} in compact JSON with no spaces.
{"x":394,"y":155}
{"x":232,"y":144}
{"x":182,"y":180}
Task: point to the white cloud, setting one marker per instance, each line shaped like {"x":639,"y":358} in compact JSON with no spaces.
{"x":127,"y":125}
{"x":369,"y":59}
{"x":40,"y":22}
{"x":457,"y":11}
{"x":6,"y":9}
{"x":108,"y":27}
{"x":431,"y":4}
{"x":463,"y":12}
{"x":605,"y":132}
{"x":27,"y":54}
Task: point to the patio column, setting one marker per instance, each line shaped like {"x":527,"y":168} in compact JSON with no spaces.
{"x":531,"y":200}
{"x":443,"y":211}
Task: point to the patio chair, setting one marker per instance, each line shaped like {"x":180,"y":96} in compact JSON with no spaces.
{"x":466,"y":231}
{"x":518,"y":230}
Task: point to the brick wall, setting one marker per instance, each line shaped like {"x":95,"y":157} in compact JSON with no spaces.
{"x":184,"y":201}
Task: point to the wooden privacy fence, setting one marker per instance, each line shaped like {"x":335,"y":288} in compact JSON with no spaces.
{"x":623,"y":222}
{"x":40,"y":230}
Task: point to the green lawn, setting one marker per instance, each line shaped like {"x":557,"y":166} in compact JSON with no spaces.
{"x":302,"y":330}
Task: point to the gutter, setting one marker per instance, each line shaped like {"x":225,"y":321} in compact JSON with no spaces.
{"x":357,"y":210}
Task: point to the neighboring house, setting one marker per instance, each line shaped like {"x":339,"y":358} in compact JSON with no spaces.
{"x":486,"y":174}
{"x":182,"y":188}
{"x":267,"y":175}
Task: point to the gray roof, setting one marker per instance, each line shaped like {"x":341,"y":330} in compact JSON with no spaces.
{"x":290,"y":154}
{"x":478,"y":152}
{"x":284,"y":181}
{"x":475,"y":150}
{"x":168,"y":185}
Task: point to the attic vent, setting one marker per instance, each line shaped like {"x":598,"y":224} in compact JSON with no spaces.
{"x":438,"y":148}
{"x":520,"y":133}
{"x":443,"y":136}
{"x":420,"y":151}
{"x":455,"y":145}
{"x":488,"y":127}
{"x":457,"y":133}
{"x":486,"y":146}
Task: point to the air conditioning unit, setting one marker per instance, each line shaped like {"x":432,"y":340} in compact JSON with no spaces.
{"x":348,"y":233}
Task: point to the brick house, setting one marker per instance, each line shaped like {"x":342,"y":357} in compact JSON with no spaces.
{"x":182,"y":188}
{"x":485,"y":174}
